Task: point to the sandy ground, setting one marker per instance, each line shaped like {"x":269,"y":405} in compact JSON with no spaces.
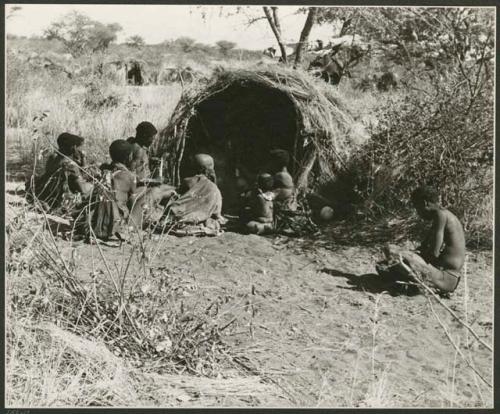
{"x":314,"y":325}
{"x":313,"y":321}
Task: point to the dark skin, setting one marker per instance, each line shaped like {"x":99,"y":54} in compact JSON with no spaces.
{"x":444,"y":245}
{"x":133,"y":200}
{"x":140,"y":156}
{"x":283,"y":187}
{"x":76,"y":183}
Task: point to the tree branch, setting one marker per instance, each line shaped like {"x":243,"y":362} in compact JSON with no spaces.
{"x":304,"y":35}
{"x":277,"y":34}
{"x":276,"y":19}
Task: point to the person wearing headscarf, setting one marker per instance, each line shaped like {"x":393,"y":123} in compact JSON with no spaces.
{"x":198,"y":210}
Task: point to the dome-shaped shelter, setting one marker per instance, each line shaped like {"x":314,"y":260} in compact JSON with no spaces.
{"x":239,"y":115}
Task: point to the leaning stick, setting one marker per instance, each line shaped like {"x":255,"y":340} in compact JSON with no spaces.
{"x":469,"y":363}
{"x":429,"y":290}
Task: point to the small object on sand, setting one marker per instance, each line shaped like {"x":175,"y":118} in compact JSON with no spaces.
{"x":396,"y":271}
{"x":326,"y":213}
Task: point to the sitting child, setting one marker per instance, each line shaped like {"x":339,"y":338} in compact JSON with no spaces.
{"x":439,"y":260}
{"x":258,"y":213}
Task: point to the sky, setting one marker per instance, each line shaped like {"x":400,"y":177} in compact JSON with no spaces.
{"x":156,"y":23}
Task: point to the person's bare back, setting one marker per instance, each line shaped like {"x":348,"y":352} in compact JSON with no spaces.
{"x":447,"y":235}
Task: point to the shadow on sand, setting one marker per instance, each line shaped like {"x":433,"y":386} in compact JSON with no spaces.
{"x":373,"y":283}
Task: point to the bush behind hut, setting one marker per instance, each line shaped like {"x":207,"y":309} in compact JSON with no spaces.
{"x":440,"y":137}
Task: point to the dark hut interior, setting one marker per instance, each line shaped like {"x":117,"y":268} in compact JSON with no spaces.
{"x":238,"y":126}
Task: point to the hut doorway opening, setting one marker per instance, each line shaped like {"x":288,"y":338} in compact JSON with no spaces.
{"x":238,"y":127}
{"x":134,"y":74}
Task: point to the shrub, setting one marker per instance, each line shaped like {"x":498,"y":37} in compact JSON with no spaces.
{"x":438,"y":136}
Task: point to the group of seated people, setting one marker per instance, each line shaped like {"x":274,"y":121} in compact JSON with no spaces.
{"x":122,"y":194}
{"x":274,"y":191}
{"x":136,"y":200}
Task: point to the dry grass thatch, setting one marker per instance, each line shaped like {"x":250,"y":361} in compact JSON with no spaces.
{"x":325,"y":130}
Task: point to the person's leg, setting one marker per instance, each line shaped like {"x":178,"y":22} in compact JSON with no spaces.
{"x":256,"y":227}
{"x":443,"y":280}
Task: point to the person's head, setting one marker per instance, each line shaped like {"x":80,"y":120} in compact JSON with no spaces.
{"x":69,"y":144}
{"x":265,"y":182}
{"x":425,"y":199}
{"x":279,"y":159}
{"x":145,"y":133}
{"x":204,"y":164}
{"x":121,"y":151}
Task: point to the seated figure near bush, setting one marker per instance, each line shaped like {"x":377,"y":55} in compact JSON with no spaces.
{"x":258,"y":213}
{"x":144,"y":136}
{"x":137,"y":206}
{"x":63,"y":178}
{"x":284,"y":188}
{"x":440,"y":258}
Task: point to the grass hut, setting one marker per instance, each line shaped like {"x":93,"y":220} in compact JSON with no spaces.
{"x":239,"y":115}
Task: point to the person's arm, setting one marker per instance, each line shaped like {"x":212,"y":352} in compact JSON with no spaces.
{"x":436,"y":237}
{"x":76,"y":183}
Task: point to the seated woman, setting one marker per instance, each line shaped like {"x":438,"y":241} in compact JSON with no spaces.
{"x":63,"y":181}
{"x":125,"y":204}
{"x":284,"y":189}
{"x":198,"y":210}
{"x":258,"y":214}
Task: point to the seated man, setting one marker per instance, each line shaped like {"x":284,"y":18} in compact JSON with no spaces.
{"x":258,"y":214}
{"x":63,"y":178}
{"x":440,"y":258}
{"x":199,"y":207}
{"x":284,"y":188}
{"x":144,"y":137}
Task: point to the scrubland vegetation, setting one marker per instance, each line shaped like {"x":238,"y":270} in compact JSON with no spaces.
{"x":81,"y":334}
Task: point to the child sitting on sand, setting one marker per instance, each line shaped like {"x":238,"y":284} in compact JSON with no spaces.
{"x":258,"y":213}
{"x":439,"y":260}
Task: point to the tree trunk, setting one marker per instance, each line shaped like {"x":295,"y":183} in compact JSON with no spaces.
{"x":304,"y":35}
{"x":275,"y":26}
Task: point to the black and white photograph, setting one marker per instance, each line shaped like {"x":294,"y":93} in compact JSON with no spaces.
{"x":249,"y":206}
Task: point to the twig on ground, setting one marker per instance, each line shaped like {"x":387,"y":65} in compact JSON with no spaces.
{"x":436,"y":297}
{"x":456,"y":346}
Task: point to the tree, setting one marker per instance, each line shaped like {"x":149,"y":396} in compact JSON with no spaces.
{"x":225,"y":46}
{"x":81,"y":35}
{"x":12,"y":12}
{"x":135,"y":41}
{"x":185,"y":43}
{"x":271,"y":14}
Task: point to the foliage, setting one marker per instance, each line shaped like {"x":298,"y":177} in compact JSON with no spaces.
{"x":441,"y":138}
{"x":225,"y":46}
{"x":431,"y":37}
{"x":135,"y":41}
{"x":184,"y":43}
{"x":81,"y":35}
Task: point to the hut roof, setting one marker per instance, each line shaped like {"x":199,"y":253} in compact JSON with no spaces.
{"x":325,"y":130}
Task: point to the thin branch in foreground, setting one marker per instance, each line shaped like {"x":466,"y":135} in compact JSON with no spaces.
{"x":429,"y":290}
{"x":456,"y":346}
